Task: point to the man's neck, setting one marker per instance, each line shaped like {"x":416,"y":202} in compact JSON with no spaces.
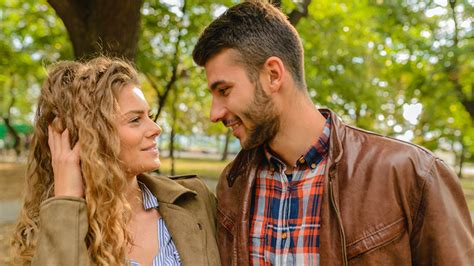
{"x":300,"y":127}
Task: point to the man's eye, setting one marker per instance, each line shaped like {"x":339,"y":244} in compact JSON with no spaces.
{"x":224,"y":91}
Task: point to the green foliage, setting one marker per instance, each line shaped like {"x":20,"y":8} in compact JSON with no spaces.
{"x":30,"y":36}
{"x":371,"y":61}
{"x":163,"y":24}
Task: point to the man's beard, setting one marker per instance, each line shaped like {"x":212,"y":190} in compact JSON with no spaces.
{"x":261,"y":112}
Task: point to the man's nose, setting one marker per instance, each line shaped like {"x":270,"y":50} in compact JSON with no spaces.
{"x":218,"y":111}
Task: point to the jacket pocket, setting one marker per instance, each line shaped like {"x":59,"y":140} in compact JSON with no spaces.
{"x":225,"y":221}
{"x":225,"y":237}
{"x":374,"y":239}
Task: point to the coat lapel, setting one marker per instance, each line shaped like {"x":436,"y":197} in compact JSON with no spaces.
{"x":181,"y":224}
{"x":184,"y":231}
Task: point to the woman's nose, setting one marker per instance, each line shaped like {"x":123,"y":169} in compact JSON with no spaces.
{"x":155,"y":129}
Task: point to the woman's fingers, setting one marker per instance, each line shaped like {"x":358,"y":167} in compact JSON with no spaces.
{"x":51,"y":144}
{"x":59,"y":144}
{"x":54,"y":135}
{"x":65,"y":145}
{"x":66,"y":164}
{"x":76,"y":150}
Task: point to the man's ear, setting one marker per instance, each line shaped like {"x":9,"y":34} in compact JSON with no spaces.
{"x":274,"y":71}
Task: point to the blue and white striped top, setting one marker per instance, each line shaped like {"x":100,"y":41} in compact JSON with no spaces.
{"x":167,"y":253}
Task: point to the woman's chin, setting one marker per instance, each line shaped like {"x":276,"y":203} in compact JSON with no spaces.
{"x":155,"y":166}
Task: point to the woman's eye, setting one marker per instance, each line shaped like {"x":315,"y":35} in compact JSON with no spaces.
{"x":135,"y":120}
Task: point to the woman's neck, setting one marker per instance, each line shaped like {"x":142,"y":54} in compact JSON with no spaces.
{"x":134,"y":194}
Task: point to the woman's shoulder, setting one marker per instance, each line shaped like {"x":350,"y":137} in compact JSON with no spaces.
{"x":168,"y":188}
{"x":190,"y":181}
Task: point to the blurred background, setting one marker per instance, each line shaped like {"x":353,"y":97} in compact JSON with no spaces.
{"x":402,"y":68}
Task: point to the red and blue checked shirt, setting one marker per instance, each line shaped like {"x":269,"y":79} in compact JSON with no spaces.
{"x":285,"y":210}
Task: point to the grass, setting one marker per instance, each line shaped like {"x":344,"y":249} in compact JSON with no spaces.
{"x":467,"y":184}
{"x":205,"y":168}
{"x":12,"y":176}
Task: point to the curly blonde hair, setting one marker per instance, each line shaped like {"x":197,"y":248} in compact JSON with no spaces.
{"x":83,"y":96}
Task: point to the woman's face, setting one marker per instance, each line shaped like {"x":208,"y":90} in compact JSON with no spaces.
{"x":137,"y":132}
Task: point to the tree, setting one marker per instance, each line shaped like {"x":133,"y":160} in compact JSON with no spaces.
{"x":368,"y":61}
{"x":168,"y":37}
{"x":102,"y":26}
{"x":30,"y":35}
{"x":7,"y":117}
{"x":466,"y":95}
{"x":437,"y":74}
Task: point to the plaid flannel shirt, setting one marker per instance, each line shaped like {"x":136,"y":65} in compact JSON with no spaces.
{"x":285,"y":210}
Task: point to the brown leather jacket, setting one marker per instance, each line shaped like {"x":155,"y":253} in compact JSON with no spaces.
{"x":385,"y":202}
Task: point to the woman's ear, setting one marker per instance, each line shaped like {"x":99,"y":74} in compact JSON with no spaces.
{"x":274,"y":71}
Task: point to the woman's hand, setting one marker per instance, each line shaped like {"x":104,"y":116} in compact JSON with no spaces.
{"x":66,"y":164}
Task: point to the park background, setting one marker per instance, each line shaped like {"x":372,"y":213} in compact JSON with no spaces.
{"x":401,"y":68}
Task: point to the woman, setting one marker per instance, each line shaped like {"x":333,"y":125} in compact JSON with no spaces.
{"x":87,"y":198}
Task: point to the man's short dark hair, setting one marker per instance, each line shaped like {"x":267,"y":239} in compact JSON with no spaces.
{"x":257,"y":30}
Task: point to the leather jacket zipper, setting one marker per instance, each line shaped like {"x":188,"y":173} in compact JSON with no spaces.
{"x":341,"y":229}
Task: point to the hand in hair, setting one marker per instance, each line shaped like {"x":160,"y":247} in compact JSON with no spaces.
{"x":66,"y":164}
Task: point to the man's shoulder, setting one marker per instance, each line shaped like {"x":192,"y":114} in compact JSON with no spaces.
{"x":385,"y":152}
{"x":357,"y":141}
{"x":375,"y":141}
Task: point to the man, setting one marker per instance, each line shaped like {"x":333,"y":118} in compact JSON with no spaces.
{"x":307,"y":189}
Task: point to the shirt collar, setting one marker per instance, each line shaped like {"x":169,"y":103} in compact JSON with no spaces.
{"x":149,"y":200}
{"x":318,"y":150}
{"x":164,"y":188}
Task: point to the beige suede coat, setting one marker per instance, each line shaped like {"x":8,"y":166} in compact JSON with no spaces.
{"x":185,"y":203}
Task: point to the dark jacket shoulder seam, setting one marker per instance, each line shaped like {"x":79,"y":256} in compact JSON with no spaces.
{"x":427,"y":174}
{"x":418,"y":147}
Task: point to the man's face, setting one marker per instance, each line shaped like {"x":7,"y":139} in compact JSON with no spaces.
{"x":239,"y":103}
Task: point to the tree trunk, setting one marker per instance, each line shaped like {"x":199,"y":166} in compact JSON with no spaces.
{"x":8,"y":122}
{"x":225,"y":153}
{"x":357,"y":115}
{"x":454,"y":69}
{"x":300,"y":11}
{"x":173,"y":133}
{"x":276,"y":3}
{"x":162,"y":97}
{"x":462,"y":157}
{"x":16,"y":136}
{"x":102,"y":26}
